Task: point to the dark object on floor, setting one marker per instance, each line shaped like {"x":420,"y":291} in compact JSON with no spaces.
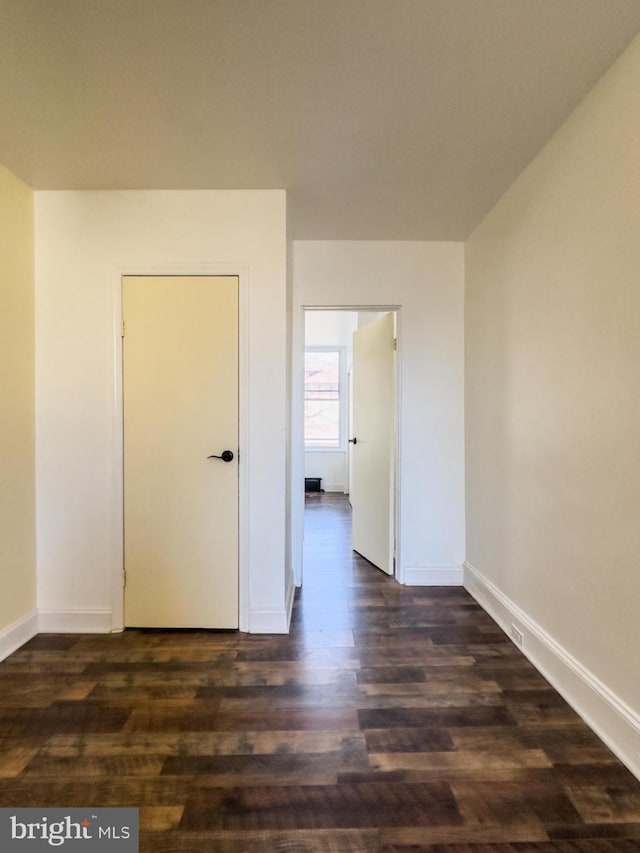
{"x":313,"y":484}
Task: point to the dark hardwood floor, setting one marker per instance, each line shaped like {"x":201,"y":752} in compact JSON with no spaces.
{"x":391,"y":719}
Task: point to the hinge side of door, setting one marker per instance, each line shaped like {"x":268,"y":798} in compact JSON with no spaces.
{"x":395,"y":343}
{"x":124,"y":577}
{"x":122,"y":330}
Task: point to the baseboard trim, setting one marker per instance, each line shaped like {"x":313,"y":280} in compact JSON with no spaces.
{"x":91,"y":621}
{"x":433,"y":576}
{"x":615,"y":722}
{"x":100,"y":621}
{"x":269,"y":621}
{"x":18,"y":633}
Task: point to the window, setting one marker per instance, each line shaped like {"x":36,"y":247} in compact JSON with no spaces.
{"x":323,"y":404}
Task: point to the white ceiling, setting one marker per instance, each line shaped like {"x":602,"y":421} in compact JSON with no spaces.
{"x":384,"y":119}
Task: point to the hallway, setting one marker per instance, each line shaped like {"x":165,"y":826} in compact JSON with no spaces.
{"x":391,"y":719}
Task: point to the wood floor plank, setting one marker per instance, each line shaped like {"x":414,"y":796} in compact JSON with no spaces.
{"x":62,"y":717}
{"x":185,"y":717}
{"x":413,"y":739}
{"x":202,"y":743}
{"x":285,"y":763}
{"x":284,"y":719}
{"x":99,"y":791}
{"x":279,"y":841}
{"x":105,"y":766}
{"x":380,"y":718}
{"x":475,"y":774}
{"x":417,"y":838}
{"x":159,"y":818}
{"x":365,"y":805}
{"x":14,"y":761}
{"x":599,"y":804}
{"x":466,"y":759}
{"x":539,"y":798}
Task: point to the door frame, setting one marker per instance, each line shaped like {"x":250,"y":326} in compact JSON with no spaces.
{"x":297,"y":431}
{"x":117,"y":425}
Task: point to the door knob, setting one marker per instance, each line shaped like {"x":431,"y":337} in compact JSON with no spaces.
{"x":226,"y":456}
{"x":353,"y":441}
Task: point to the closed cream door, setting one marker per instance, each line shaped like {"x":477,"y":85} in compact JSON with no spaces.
{"x":180,"y":384}
{"x":372,"y":485}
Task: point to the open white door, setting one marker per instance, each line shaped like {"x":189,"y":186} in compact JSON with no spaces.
{"x":372,"y":484}
{"x":180,"y":382}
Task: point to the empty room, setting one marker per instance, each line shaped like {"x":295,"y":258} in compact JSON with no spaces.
{"x":320,"y":383}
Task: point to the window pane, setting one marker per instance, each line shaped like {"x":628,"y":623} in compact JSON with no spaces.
{"x":322,"y":423}
{"x":322,"y":399}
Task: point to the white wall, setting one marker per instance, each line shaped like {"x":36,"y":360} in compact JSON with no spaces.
{"x":84,"y":241}
{"x":330,"y":466}
{"x":553,"y":408}
{"x":17,"y":445}
{"x":425,"y":280}
{"x":330,"y":328}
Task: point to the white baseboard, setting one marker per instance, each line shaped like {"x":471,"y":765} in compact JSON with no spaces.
{"x":274,"y":621}
{"x":18,"y":633}
{"x":99,"y":621}
{"x":92,"y":621}
{"x":433,"y":576}
{"x":615,"y":723}
{"x":334,"y":488}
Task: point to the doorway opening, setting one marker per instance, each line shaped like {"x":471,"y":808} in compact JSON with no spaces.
{"x":350,"y":405}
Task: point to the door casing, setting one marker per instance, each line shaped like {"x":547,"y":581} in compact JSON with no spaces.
{"x":117,"y":446}
{"x":297,"y":431}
